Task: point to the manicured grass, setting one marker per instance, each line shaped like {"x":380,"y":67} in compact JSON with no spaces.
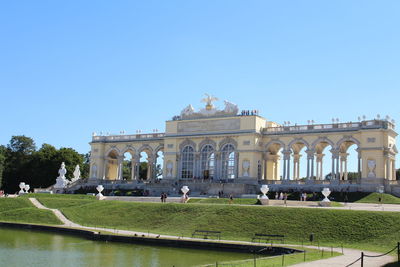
{"x":242,"y":201}
{"x":374,"y":198}
{"x":310,"y":255}
{"x":368,"y":230}
{"x":21,"y":210}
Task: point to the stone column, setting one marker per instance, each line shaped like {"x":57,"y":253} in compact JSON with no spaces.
{"x":137,"y":166}
{"x":388,"y":169}
{"x":120,"y":167}
{"x":343,"y":166}
{"x":197,"y":165}
{"x":393,"y":169}
{"x":277,"y":158}
{"x":284,"y":167}
{"x":335,"y":164}
{"x":237,"y":165}
{"x":287,"y":154}
{"x":296,"y":160}
{"x":217,"y":170}
{"x":105,"y":163}
{"x":178,"y":166}
{"x":359,"y":162}
{"x":150,"y":165}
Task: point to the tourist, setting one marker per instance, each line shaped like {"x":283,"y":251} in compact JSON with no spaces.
{"x":165,"y":197}
{"x":162,"y":197}
{"x":276,"y":195}
{"x":285,"y":198}
{"x":230,"y":199}
{"x":281,"y":196}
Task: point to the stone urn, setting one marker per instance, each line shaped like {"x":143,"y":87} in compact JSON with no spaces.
{"x":27,"y":187}
{"x":264,"y":198}
{"x":22,"y":187}
{"x":100,"y":188}
{"x":325,"y":202}
{"x":185,"y":197}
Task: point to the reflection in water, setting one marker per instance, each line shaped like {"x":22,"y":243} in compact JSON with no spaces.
{"x":33,"y":248}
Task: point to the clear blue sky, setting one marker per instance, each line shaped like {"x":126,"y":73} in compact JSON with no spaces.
{"x":68,"y":68}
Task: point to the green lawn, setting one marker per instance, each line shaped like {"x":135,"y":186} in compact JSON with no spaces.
{"x":374,"y":198}
{"x":241,"y":201}
{"x":377,"y":231}
{"x":21,"y":210}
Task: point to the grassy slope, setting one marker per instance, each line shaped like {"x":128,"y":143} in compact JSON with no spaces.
{"x":21,"y":210}
{"x":359,"y":229}
{"x":374,"y":198}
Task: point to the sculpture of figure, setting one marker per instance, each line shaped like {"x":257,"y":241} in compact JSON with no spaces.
{"x":230,"y":107}
{"x":189,"y":110}
{"x":62,"y":171}
{"x":61,"y":181}
{"x":77,"y":174}
{"x":208,"y":100}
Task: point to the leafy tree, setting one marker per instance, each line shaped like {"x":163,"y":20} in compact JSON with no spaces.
{"x":22,"y":144}
{"x":143,"y":170}
{"x":126,"y":170}
{"x":3,"y":151}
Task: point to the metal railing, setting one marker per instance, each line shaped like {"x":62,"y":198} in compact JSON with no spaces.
{"x":363,"y":255}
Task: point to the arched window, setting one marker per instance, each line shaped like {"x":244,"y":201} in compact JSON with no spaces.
{"x":207,"y":162}
{"x":187,"y":162}
{"x":228,"y":161}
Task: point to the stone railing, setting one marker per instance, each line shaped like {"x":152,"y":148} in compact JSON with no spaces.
{"x":127,"y":138}
{"x":333,"y":127}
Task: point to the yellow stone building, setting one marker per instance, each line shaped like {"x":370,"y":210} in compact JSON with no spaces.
{"x":243,"y":147}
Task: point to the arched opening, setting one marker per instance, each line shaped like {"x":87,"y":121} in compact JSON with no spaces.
{"x":112,"y":166}
{"x":127,"y":166}
{"x":159,"y":165}
{"x":144,"y":167}
{"x":187,"y":162}
{"x":349,"y":162}
{"x":323,"y":160}
{"x":302,"y":164}
{"x":274,"y":167}
{"x":228,"y":162}
{"x":207,"y":163}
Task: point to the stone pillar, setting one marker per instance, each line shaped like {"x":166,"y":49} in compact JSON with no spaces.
{"x":178,"y":166}
{"x":296,"y":161}
{"x":359,"y":162}
{"x":197,"y":165}
{"x":284,"y":168}
{"x":217,"y":170}
{"x":335,"y":164}
{"x":150,"y":165}
{"x":388,"y":169}
{"x":105,"y":163}
{"x":287,"y":154}
{"x":137,"y":166}
{"x":343,"y":166}
{"x":237,"y":165}
{"x":120,"y":167}
{"x":310,"y":163}
{"x":393,"y":169}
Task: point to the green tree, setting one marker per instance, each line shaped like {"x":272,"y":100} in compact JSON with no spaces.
{"x":3,"y":151}
{"x":17,"y":158}
{"x":143,"y":170}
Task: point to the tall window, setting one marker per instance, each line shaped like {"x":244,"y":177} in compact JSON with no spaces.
{"x":228,"y":161}
{"x":207,"y":162}
{"x":187,"y":162}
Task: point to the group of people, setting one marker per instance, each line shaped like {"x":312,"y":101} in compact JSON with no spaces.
{"x":281,"y":196}
{"x":163,"y":197}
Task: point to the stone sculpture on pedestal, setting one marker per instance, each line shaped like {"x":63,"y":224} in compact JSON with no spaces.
{"x":61,"y":181}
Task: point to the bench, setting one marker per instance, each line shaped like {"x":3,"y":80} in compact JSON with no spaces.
{"x":267,"y":238}
{"x":205,"y":234}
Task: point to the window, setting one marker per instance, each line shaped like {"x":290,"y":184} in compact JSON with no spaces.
{"x":187,"y":162}
{"x":207,"y":162}
{"x":228,"y":161}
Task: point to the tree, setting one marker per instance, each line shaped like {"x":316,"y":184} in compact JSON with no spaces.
{"x":22,"y":144}
{"x":143,"y":171}
{"x":16,"y":163}
{"x":3,"y":151}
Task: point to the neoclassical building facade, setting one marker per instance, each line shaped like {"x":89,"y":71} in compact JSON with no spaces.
{"x":232,"y":146}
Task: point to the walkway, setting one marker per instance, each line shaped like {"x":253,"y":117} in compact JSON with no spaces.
{"x":349,"y":255}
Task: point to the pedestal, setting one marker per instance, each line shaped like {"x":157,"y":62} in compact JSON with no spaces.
{"x":325,"y":203}
{"x":264,"y":201}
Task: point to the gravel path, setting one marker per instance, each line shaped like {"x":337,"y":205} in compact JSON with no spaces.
{"x":349,"y":255}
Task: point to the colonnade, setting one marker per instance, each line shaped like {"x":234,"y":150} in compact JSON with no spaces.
{"x":339,"y":170}
{"x":115,"y":165}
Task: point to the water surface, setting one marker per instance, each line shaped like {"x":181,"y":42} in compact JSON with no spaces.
{"x":35,"y":248}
